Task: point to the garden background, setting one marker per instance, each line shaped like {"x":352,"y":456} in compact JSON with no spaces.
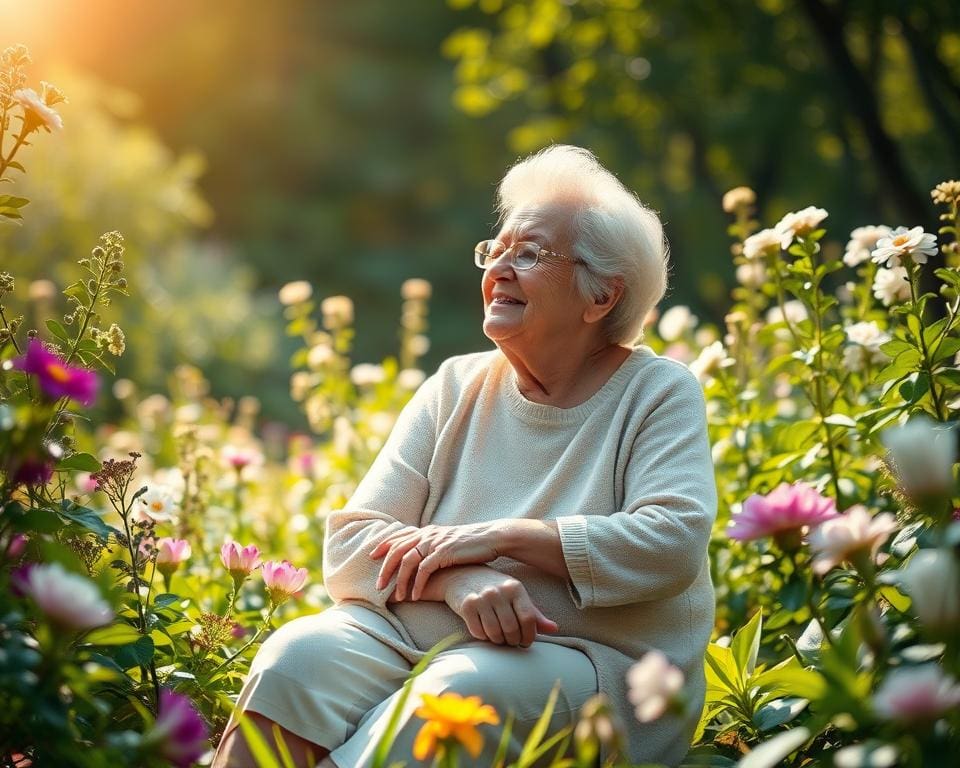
{"x":240,"y":146}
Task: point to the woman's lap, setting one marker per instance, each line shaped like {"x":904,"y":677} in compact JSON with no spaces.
{"x":325,"y":679}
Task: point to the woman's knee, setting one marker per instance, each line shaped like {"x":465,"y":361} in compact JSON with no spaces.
{"x":301,"y":643}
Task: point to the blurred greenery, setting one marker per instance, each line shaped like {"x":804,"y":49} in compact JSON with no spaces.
{"x":358,"y":144}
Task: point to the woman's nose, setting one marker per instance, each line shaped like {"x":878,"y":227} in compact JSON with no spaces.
{"x":502,"y":267}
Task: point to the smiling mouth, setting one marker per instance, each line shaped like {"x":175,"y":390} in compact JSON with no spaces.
{"x":505,"y":300}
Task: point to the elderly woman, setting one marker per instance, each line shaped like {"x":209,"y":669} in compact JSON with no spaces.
{"x":549,"y":501}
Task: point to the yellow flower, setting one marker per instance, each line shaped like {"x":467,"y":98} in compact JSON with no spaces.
{"x":452,"y":716}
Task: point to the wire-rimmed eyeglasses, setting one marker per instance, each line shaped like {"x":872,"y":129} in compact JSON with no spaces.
{"x":522,"y":254}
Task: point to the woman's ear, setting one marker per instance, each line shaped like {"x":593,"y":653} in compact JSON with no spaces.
{"x":604,"y":303}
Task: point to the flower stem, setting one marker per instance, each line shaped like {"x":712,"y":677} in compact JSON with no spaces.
{"x":263,"y":627}
{"x":924,"y":351}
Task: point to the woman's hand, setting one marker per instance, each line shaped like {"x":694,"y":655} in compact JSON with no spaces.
{"x":495,"y":607}
{"x":414,"y":554}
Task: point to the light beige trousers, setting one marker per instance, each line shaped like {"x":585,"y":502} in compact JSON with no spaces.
{"x":327,"y":680}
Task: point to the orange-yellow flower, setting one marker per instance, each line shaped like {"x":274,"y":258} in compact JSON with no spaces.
{"x":452,"y":716}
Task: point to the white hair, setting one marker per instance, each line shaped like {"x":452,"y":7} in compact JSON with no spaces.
{"x":617,"y":236}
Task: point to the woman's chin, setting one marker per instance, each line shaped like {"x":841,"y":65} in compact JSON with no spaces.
{"x":498,"y":329}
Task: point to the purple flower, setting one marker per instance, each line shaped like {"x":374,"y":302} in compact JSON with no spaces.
{"x":179,"y":731}
{"x":786,"y":509}
{"x":33,"y":471}
{"x":56,"y":378}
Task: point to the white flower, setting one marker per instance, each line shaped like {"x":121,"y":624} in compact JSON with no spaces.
{"x":760,"y":244}
{"x":902,"y":242}
{"x":710,"y":360}
{"x":845,"y":536}
{"x":37,"y":110}
{"x":296,"y":292}
{"x":320,"y":355}
{"x":156,"y":505}
{"x":738,"y":197}
{"x":923,"y":455}
{"x":419,"y":345}
{"x":793,"y":310}
{"x":752,"y":274}
{"x":416,"y":289}
{"x":866,"y":338}
{"x":918,"y":694}
{"x":410,"y":378}
{"x":891,"y":286}
{"x":862,"y":242}
{"x":366,"y":374}
{"x":654,"y":685}
{"x":799,"y":223}
{"x":676,"y":322}
{"x":66,"y":598}
{"x":337,"y":311}
{"x":932,"y":579}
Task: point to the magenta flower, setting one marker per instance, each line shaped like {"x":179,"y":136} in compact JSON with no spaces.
{"x":282,"y":579}
{"x":786,"y":510}
{"x":67,"y":599}
{"x":33,"y":471}
{"x":179,"y":731}
{"x":170,"y":553}
{"x":16,"y":546}
{"x":239,"y":560}
{"x":56,"y":378}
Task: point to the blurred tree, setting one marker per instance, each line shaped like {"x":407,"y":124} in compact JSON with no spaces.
{"x":852,"y":105}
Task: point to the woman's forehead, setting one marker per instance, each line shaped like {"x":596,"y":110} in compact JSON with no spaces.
{"x":541,"y":223}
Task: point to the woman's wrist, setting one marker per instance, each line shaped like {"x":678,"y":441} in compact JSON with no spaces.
{"x":533,"y":542}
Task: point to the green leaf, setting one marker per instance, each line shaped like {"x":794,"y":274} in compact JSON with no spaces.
{"x":770,"y":753}
{"x":138,"y":654}
{"x":789,"y":678}
{"x":58,"y":330}
{"x":257,"y":743}
{"x":85,"y":517}
{"x":115,"y":634}
{"x":895,"y":597}
{"x":840,"y":420}
{"x":746,"y":645}
{"x":11,"y":203}
{"x":721,"y":669}
{"x":778,"y":712}
{"x":83,"y":462}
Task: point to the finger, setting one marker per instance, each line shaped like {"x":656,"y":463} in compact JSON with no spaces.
{"x":474,"y":626}
{"x":508,"y":623}
{"x":384,"y":546}
{"x":491,"y":624}
{"x":408,"y":568}
{"x":544,"y":624}
{"x":428,"y":566}
{"x":393,"y":559}
{"x":527,"y":616}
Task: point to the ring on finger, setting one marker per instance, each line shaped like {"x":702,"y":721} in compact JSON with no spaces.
{"x":419,"y":551}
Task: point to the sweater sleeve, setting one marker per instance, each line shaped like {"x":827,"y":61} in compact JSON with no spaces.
{"x":391,"y":496}
{"x":655,"y":546}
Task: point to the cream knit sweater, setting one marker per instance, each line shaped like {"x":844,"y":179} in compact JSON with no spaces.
{"x":628,"y":477}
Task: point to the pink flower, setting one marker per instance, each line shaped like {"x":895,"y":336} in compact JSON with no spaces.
{"x":56,"y":379}
{"x":282,"y":579}
{"x":87,"y":483}
{"x":170,"y":553}
{"x":66,"y":598}
{"x":238,"y":456}
{"x":850,"y":535}
{"x":179,"y":731}
{"x":918,"y":694}
{"x":239,"y":560}
{"x":655,"y":686}
{"x":18,"y":543}
{"x":787,"y":508}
